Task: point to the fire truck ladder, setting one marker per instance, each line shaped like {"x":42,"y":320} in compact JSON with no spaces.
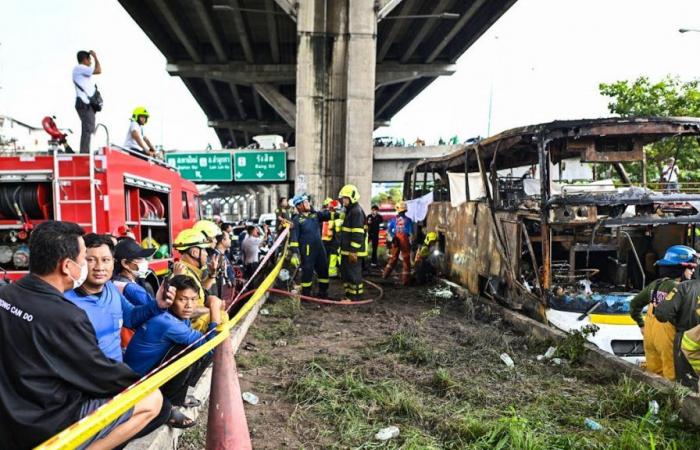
{"x":61,"y":194}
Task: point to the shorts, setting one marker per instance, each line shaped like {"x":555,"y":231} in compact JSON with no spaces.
{"x":88,"y":407}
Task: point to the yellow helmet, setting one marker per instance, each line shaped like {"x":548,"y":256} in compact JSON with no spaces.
{"x":400,"y":206}
{"x":149,"y":242}
{"x":350,"y":191}
{"x":189,"y":238}
{"x":430,"y":237}
{"x":208,"y":228}
{"x":327,"y":201}
{"x":139,"y":111}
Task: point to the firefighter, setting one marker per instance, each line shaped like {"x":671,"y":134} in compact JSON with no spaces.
{"x":399,"y":234}
{"x":352,"y":242}
{"x":135,"y":139}
{"x":679,"y":308}
{"x":307,"y":247}
{"x":690,"y":345}
{"x":424,"y":268}
{"x":192,"y":245}
{"x":329,"y":235}
{"x":658,"y":337}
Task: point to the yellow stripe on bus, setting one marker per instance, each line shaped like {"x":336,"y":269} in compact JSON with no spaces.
{"x":612,"y":319}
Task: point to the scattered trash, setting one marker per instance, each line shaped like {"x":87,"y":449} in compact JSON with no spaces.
{"x":284,"y":275}
{"x":264,"y":312}
{"x":592,"y":424}
{"x":540,"y":357}
{"x":250,"y":347}
{"x":550,"y":352}
{"x":507,"y":360}
{"x":654,"y":407}
{"x":280,"y":343}
{"x":571,"y":380}
{"x":441,"y":292}
{"x":250,"y":398}
{"x":387,"y":433}
{"x":557,"y":361}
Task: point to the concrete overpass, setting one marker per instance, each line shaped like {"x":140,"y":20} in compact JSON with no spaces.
{"x":321,"y":72}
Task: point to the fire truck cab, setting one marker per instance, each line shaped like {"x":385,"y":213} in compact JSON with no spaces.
{"x":100,"y":191}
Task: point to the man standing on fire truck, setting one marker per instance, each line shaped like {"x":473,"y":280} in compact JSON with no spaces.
{"x":352,"y":242}
{"x":399,"y":234}
{"x":84,"y":89}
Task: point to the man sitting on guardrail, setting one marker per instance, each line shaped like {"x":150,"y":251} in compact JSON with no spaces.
{"x":166,"y":335}
{"x":53,"y":370}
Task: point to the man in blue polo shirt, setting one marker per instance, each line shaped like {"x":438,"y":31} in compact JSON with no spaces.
{"x":104,"y":305}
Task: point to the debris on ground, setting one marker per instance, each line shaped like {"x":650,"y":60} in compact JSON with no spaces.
{"x":507,"y":360}
{"x":251,"y":398}
{"x":280,"y":343}
{"x":654,"y":407}
{"x":443,"y":292}
{"x":550,"y":352}
{"x":387,"y":433}
{"x":264,"y":312}
{"x":592,"y":424}
{"x":557,"y":361}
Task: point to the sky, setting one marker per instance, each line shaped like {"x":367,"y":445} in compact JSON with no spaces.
{"x":543,"y":60}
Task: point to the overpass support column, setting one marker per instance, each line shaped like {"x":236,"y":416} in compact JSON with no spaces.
{"x":336,"y":60}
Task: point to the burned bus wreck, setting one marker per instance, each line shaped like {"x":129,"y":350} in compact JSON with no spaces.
{"x":546,"y":219}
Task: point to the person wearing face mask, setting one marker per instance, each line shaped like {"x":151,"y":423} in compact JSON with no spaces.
{"x":107,"y":309}
{"x":131,"y":270}
{"x":56,"y":372}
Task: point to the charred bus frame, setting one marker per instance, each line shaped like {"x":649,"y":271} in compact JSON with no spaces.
{"x":528,"y":239}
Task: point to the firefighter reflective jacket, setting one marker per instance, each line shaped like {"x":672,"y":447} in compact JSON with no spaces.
{"x":690,"y":344}
{"x":681,"y":306}
{"x":306,"y":231}
{"x":352,"y":232}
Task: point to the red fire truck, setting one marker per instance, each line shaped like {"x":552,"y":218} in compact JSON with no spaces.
{"x":101,"y":191}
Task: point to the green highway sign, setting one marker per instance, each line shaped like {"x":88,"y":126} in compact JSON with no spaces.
{"x":202,"y":167}
{"x":260,"y":165}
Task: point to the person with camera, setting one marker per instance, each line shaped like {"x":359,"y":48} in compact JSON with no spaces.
{"x":87,"y":98}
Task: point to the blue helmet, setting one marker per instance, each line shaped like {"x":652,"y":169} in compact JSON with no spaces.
{"x":299,"y":199}
{"x":678,"y":255}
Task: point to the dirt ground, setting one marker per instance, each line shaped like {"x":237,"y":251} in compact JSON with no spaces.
{"x":333,"y":376}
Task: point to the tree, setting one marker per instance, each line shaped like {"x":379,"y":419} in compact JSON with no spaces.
{"x":666,"y":98}
{"x":393,"y":195}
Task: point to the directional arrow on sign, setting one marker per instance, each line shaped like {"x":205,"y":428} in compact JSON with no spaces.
{"x":280,"y":174}
{"x":259,"y":174}
{"x":239,"y":175}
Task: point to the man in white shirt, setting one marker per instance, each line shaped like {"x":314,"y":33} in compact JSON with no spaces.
{"x":84,"y":89}
{"x":135,"y":139}
{"x":251,"y":250}
{"x":669,"y":175}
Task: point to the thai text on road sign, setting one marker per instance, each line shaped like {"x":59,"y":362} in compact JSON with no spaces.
{"x":202,"y":167}
{"x":260,"y":165}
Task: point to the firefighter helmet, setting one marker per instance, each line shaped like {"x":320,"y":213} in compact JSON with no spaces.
{"x":139,"y":111}
{"x":299,"y":199}
{"x":350,"y":191}
{"x":208,"y":228}
{"x":678,"y":255}
{"x":189,"y":238}
{"x":327,"y":201}
{"x":400,"y":206}
{"x":430,"y":237}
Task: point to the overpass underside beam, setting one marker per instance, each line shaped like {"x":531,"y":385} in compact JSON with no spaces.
{"x":336,"y":59}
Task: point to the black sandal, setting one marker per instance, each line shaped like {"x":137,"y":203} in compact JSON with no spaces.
{"x":179,"y":420}
{"x":191,"y":402}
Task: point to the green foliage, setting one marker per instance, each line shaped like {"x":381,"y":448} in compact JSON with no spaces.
{"x":393,"y":195}
{"x":668,"y":97}
{"x":573,"y":346}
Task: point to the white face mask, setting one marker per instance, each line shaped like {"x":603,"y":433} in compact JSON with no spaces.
{"x":142,"y":269}
{"x":77,"y":282}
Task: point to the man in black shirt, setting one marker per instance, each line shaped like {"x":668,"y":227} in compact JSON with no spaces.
{"x":374,"y":220}
{"x":53,"y":372}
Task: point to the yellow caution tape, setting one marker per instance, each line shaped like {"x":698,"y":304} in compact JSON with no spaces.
{"x":612,"y":319}
{"x":84,"y":429}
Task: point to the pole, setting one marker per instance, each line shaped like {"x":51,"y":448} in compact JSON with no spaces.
{"x":227,"y":428}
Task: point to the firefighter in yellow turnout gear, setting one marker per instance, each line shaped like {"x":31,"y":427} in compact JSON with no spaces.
{"x":329,"y":235}
{"x":352,"y":242}
{"x":424,"y":269}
